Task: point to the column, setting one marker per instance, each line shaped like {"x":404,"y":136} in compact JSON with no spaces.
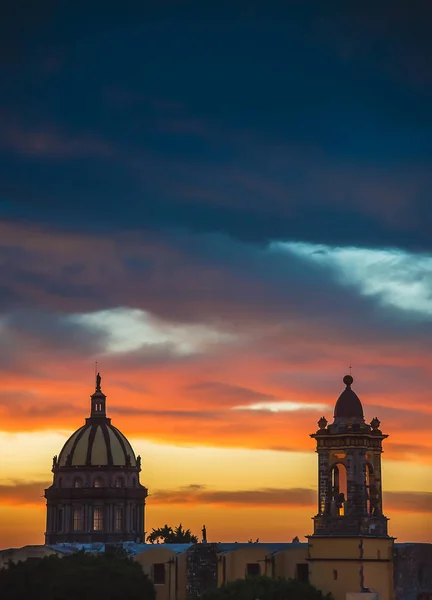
{"x":377,"y":474}
{"x":49,"y":520}
{"x":67,"y":519}
{"x":127,"y":517}
{"x":323,"y":483}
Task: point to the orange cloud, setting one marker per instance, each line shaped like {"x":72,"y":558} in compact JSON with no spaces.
{"x":23,"y":493}
{"x":401,"y":501}
{"x":280,"y":349}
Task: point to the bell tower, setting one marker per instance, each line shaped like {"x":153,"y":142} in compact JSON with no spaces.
{"x":350,"y":548}
{"x":349,"y":471}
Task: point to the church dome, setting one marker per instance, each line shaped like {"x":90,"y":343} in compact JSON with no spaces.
{"x":97,"y":443}
{"x":348,"y":405}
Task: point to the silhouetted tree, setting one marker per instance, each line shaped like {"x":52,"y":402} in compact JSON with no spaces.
{"x":265,"y":588}
{"x":80,"y":576}
{"x":168,"y":535}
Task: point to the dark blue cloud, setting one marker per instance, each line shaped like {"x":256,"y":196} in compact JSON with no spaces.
{"x":299,"y":120}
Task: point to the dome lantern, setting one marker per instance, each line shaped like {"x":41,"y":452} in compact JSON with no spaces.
{"x":98,"y":401}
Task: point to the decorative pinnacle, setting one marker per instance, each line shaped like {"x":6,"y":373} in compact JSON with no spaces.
{"x":348,"y":380}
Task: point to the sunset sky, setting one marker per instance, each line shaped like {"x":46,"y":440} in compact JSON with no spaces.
{"x":225,"y":207}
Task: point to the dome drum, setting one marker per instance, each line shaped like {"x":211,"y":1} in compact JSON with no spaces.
{"x":97,"y":477}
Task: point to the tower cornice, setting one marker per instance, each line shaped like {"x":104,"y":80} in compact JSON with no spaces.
{"x":356,"y":434}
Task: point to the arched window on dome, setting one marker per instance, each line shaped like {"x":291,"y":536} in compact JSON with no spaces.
{"x":78,"y":482}
{"x":134,"y":482}
{"x":119,"y":482}
{"x":98,"y":482}
{"x":60,"y":482}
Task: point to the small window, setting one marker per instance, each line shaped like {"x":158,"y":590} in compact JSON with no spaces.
{"x":60,"y":483}
{"x":78,"y":482}
{"x":97,"y":519}
{"x":253,"y":570}
{"x":98,"y":482}
{"x":335,"y":574}
{"x":303,"y":572}
{"x":134,"y":482}
{"x":159,"y":573}
{"x":77,"y":519}
{"x":378,"y":553}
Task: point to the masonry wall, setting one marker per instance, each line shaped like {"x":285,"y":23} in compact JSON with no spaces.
{"x":201,"y":569}
{"x":412,"y":571}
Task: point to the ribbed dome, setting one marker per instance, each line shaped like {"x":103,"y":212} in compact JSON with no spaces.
{"x":97,"y":444}
{"x":348,"y":405}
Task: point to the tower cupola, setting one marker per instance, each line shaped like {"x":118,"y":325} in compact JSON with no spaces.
{"x":348,"y":405}
{"x":98,"y":401}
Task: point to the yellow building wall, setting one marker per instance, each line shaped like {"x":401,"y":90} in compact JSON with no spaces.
{"x":347,"y":547}
{"x":323,"y":555}
{"x":286,"y":561}
{"x":335,"y":565}
{"x":174,"y":587}
{"x":232,"y":565}
{"x":182,"y":577}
